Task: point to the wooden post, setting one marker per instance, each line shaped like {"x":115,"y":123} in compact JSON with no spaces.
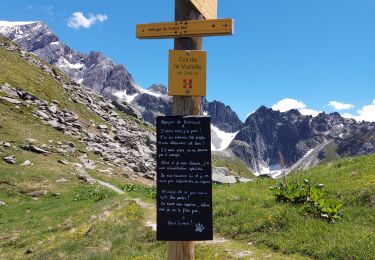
{"x":182,"y":106}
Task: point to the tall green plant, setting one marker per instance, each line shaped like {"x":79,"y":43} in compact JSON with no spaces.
{"x":311,"y":196}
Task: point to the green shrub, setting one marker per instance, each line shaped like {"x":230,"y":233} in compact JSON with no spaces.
{"x":93,"y":194}
{"x":312,"y":196}
{"x":148,"y":192}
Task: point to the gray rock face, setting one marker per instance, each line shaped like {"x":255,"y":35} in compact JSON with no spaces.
{"x":158,"y":89}
{"x":223,"y":175}
{"x":153,"y":106}
{"x":35,"y":149}
{"x":274,"y":140}
{"x":93,"y":70}
{"x":222,"y":116}
{"x":99,"y":73}
{"x":360,"y":141}
{"x":127,"y":108}
{"x":118,"y":141}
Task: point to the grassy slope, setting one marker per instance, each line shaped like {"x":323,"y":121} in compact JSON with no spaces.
{"x":101,"y":224}
{"x":235,"y":165}
{"x":83,"y":221}
{"x":249,"y":212}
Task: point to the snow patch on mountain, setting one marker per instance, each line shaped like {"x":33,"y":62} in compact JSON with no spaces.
{"x":152,"y":93}
{"x":220,"y":140}
{"x":272,"y":171}
{"x":11,"y":24}
{"x":65,"y":63}
{"x":125,"y":96}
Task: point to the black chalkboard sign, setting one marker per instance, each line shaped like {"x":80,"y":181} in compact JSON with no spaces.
{"x":184,"y":183}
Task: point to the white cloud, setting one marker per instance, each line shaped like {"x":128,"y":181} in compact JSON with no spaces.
{"x":287,"y":104}
{"x":340,"y":106}
{"x":348,"y":115}
{"x":78,"y":20}
{"x":367,"y":113}
{"x":309,"y":112}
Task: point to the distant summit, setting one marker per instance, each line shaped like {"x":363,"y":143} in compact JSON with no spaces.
{"x":111,"y":80}
{"x":272,"y":141}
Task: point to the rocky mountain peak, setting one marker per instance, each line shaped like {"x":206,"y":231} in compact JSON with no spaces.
{"x":101,"y":74}
{"x":270,"y":139}
{"x":34,"y":35}
{"x":158,"y":89}
{"x":222,"y":116}
{"x":96,"y":57}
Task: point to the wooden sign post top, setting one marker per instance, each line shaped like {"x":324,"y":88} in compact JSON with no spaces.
{"x":187,"y":36}
{"x":208,"y":8}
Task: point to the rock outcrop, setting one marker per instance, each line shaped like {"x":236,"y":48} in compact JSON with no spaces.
{"x":271,"y":142}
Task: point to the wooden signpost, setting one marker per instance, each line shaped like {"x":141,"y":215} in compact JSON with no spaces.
{"x":194,"y":28}
{"x":184,"y":199}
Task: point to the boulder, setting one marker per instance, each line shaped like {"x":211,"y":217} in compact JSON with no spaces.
{"x":11,"y":100}
{"x":37,"y":193}
{"x":221,"y":175}
{"x":223,"y":179}
{"x":26,"y":163}
{"x":86,"y":178}
{"x":10,"y":159}
{"x":42,"y":115}
{"x":127,"y":109}
{"x":62,"y":180}
{"x":5,"y":144}
{"x":6,"y":88}
{"x":128,"y":171}
{"x":52,"y":109}
{"x":244,"y":180}
{"x":63,"y":162}
{"x":34,"y":149}
{"x":102,"y":127}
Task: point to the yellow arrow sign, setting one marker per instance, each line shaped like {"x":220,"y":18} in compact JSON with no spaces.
{"x":208,"y":8}
{"x":191,"y":28}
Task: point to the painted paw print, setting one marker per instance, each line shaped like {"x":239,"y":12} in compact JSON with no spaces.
{"x":199,"y":227}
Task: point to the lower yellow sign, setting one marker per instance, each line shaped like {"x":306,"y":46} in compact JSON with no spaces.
{"x":187,"y":73}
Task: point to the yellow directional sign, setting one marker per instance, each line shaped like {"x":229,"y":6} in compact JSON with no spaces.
{"x":208,"y":8}
{"x":187,"y":73}
{"x":191,"y":28}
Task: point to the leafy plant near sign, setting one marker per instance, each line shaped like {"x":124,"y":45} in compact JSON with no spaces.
{"x":93,"y":194}
{"x":148,"y":192}
{"x":312,"y":196}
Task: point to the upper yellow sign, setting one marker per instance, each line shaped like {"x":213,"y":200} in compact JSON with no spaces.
{"x":191,"y":28}
{"x":208,"y":8}
{"x":187,"y":73}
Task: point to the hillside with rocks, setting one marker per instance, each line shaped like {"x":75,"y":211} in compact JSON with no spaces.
{"x":101,"y":74}
{"x":120,"y":140}
{"x":268,"y":142}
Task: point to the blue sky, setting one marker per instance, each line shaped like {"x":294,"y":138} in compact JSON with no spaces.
{"x":312,"y":52}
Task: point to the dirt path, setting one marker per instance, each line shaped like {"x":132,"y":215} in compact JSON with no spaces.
{"x":235,"y":249}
